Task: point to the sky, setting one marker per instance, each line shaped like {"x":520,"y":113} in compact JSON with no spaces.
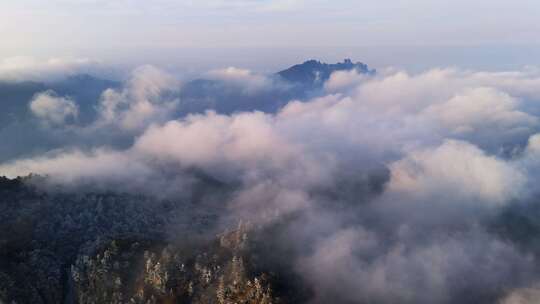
{"x":206,"y":34}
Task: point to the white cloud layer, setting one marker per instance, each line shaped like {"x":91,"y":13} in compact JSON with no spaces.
{"x":457,"y":146}
{"x":250,"y":82}
{"x":459,"y":168}
{"x":54,"y":110}
{"x":443,"y":116}
{"x":33,"y":69}
{"x":528,"y":295}
{"x":140,"y":102}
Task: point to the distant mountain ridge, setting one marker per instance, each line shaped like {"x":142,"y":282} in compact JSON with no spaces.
{"x":21,"y":133}
{"x":301,"y":81}
{"x":314,"y":73}
{"x":197,"y":95}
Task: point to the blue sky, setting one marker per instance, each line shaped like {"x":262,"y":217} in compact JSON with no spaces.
{"x":136,"y":30}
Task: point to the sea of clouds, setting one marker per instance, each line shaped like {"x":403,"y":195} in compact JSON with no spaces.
{"x":389,"y":185}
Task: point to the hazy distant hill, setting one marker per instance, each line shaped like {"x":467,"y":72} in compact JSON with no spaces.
{"x":22,"y":135}
{"x":296,"y":82}
{"x":203,"y":94}
{"x":84,"y":89}
{"x":14,"y":98}
{"x":300,"y":81}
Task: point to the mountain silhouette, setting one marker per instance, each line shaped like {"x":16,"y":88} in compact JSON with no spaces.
{"x":313,"y":73}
